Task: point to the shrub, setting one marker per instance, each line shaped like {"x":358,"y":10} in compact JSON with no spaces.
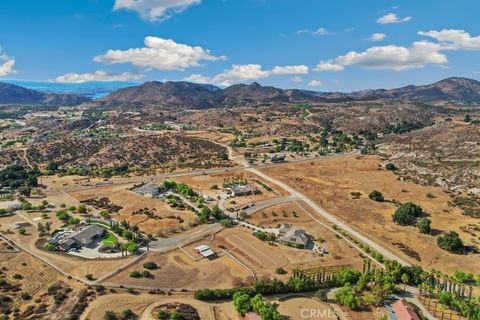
{"x":391,"y":167}
{"x":150,"y":265}
{"x":423,"y":225}
{"x":376,"y":196}
{"x":280,"y":271}
{"x":110,"y":315}
{"x":135,"y":274}
{"x":407,"y":214}
{"x":450,"y":241}
{"x":89,"y":276}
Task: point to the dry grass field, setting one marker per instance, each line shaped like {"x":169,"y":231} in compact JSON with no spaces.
{"x":264,"y":258}
{"x":143,"y":305}
{"x":178,"y":270}
{"x":295,"y":213}
{"x":132,"y":202}
{"x":36,"y":278}
{"x":330,"y":181}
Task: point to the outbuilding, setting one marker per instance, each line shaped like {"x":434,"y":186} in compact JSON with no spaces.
{"x":205,"y":251}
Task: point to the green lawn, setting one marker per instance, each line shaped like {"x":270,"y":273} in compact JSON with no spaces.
{"x":110,"y":240}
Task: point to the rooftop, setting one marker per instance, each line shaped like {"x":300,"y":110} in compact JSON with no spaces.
{"x":403,"y":311}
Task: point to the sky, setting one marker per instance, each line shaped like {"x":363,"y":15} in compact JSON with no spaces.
{"x":321,"y":45}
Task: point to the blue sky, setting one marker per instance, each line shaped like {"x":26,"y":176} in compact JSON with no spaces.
{"x":340,"y":45}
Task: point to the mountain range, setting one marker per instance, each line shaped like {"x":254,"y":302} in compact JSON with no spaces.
{"x":200,"y":96}
{"x":17,"y":95}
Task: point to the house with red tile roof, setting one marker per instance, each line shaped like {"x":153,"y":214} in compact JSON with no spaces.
{"x":403,"y":311}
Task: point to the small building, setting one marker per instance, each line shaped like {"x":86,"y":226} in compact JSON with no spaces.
{"x":205,"y":251}
{"x":292,"y":236}
{"x":251,"y":316}
{"x":149,"y":190}
{"x":401,"y":310}
{"x":240,"y":191}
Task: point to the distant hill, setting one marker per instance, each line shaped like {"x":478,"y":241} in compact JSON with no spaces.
{"x":460,"y":89}
{"x":13,"y":94}
{"x":200,"y":96}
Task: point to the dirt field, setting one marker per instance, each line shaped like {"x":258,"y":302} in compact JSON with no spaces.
{"x":143,"y":304}
{"x":36,"y":278}
{"x":330,"y":181}
{"x":264,"y":258}
{"x":294,"y":213}
{"x":305,"y":308}
{"x":178,"y":270}
{"x":132,"y":202}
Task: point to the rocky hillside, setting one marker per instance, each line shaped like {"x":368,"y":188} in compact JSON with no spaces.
{"x":13,"y":94}
{"x":200,"y":96}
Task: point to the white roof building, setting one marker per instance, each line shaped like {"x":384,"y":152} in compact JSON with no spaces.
{"x":205,"y":251}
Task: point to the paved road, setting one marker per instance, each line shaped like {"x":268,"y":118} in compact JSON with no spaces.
{"x":260,"y":205}
{"x":168,"y":244}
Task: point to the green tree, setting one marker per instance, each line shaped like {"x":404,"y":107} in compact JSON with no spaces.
{"x":450,"y":241}
{"x":346,"y":297}
{"x":423,"y":225}
{"x":268,"y":312}
{"x":376,"y":196}
{"x":405,"y":279}
{"x":242,"y":303}
{"x":407,"y":214}
{"x":131,"y":247}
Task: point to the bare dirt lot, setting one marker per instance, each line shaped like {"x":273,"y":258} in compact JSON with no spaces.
{"x":330,"y":183}
{"x":178,"y":270}
{"x":295,"y":213}
{"x":33,"y":278}
{"x":143,"y":304}
{"x":263,"y":258}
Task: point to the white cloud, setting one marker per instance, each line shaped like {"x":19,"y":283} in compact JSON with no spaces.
{"x":315,"y":83}
{"x":302,"y":31}
{"x":161,"y":54}
{"x":6,"y":64}
{"x":328,"y":66}
{"x":240,"y":73}
{"x":6,"y":68}
{"x":298,"y":69}
{"x":377,"y":37}
{"x":393,"y":57}
{"x":297,"y":79}
{"x":320,"y":32}
{"x":155,"y":10}
{"x":97,"y":76}
{"x":450,"y":39}
{"x":236,"y":74}
{"x":392,"y":18}
{"x":198,"y":78}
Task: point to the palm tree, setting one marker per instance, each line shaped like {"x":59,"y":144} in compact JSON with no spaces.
{"x":405,"y":279}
